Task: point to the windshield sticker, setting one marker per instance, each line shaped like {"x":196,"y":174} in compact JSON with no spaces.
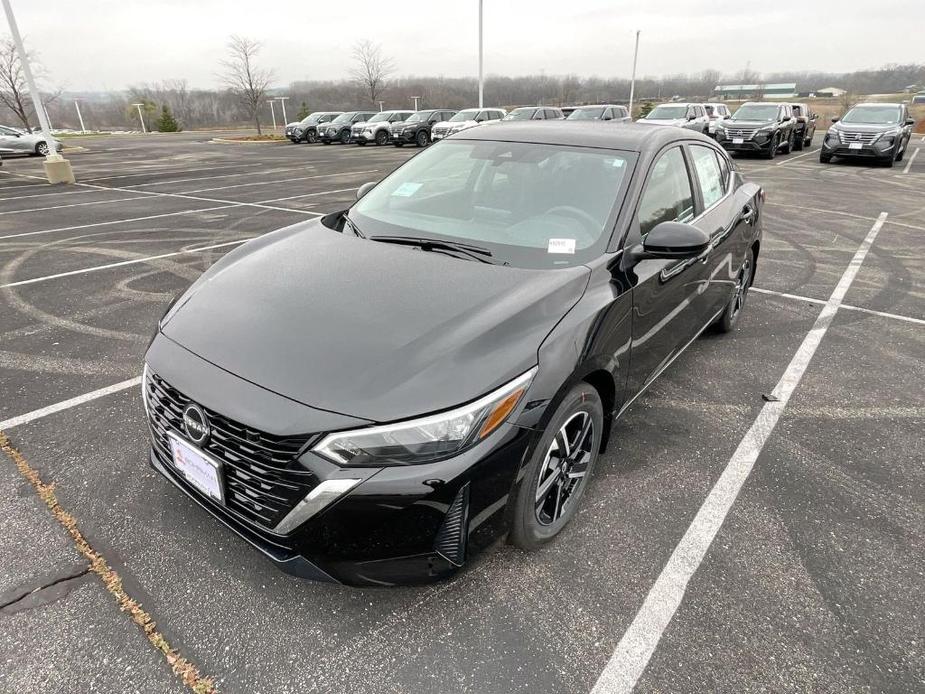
{"x":618,"y":163}
{"x":561,"y":246}
{"x":406,"y":190}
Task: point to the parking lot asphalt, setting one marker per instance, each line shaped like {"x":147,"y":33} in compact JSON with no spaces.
{"x":814,"y":582}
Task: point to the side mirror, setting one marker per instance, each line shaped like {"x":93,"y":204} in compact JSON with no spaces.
{"x":910,"y":121}
{"x":365,"y":188}
{"x":675,"y":240}
{"x":835,"y":119}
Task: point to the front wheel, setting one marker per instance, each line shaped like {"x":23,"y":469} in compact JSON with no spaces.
{"x":824,"y":158}
{"x":345,"y":137}
{"x":788,"y":146}
{"x":798,"y":142}
{"x":423,"y":139}
{"x":41,"y":149}
{"x":382,"y":138}
{"x":726,"y":322}
{"x":558,"y":471}
{"x":772,"y":148}
{"x":311,"y":138}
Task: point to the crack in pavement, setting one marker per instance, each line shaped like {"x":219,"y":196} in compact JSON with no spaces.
{"x":19,"y":599}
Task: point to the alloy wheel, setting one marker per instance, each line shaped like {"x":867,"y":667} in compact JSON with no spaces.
{"x":42,"y":148}
{"x":564,"y":467}
{"x":741,"y":293}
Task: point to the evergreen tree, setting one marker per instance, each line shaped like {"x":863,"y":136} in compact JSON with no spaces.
{"x":645,"y":108}
{"x":167,"y":123}
{"x":303,"y":112}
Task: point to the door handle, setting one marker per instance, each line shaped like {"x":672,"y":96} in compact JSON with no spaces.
{"x":748,"y":214}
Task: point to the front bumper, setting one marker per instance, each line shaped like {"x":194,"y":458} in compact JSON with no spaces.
{"x":399,"y":525}
{"x":759,"y":142}
{"x":405,"y":137}
{"x":362,"y":137}
{"x":882,"y":148}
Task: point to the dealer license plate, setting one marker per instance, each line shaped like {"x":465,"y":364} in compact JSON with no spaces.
{"x":200,"y":470}
{"x":737,"y":140}
{"x":855,"y":145}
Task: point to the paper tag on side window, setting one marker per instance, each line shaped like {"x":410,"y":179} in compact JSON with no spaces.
{"x":406,"y":190}
{"x":561,"y":246}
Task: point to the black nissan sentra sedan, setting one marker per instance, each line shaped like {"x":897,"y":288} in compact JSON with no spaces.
{"x":373,"y":396}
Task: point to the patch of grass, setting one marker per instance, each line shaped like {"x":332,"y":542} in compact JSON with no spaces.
{"x":266,"y":137}
{"x":188,"y":672}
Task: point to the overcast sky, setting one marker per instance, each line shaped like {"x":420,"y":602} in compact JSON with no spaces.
{"x":111,"y":44}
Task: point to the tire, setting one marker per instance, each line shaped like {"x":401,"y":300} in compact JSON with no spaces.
{"x":311,"y":138}
{"x":727,"y":321}
{"x":889,"y":161}
{"x":902,"y":153}
{"x":824,"y":158}
{"x":325,"y":142}
{"x":382,"y":137}
{"x":534,"y":521}
{"x":789,"y":144}
{"x":398,"y":144}
{"x":422,"y":138}
{"x":808,"y":142}
{"x":361,"y":143}
{"x":344,"y":137}
{"x":772,"y":148}
{"x":798,"y":142}
{"x":41,"y":149}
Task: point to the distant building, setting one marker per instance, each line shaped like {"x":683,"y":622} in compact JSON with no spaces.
{"x":919,"y":98}
{"x":831,"y":91}
{"x":783,"y":90}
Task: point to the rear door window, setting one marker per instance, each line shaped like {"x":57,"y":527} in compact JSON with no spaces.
{"x":709,"y":174}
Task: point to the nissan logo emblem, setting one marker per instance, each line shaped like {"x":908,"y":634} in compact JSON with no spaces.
{"x":196,"y":424}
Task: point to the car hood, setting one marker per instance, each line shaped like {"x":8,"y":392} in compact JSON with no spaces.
{"x":456,"y":125}
{"x":865,"y":127}
{"x":750,"y":123}
{"x":368,"y":329}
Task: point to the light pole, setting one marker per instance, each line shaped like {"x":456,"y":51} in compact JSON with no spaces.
{"x":272,"y":112}
{"x":380,"y":106}
{"x":481,"y":79}
{"x":282,"y":102}
{"x":141,"y":117}
{"x":416,"y":102}
{"x":79,"y":117}
{"x":57,"y":168}
{"x":633,"y":79}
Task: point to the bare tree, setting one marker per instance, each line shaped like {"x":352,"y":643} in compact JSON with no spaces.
{"x":243,"y":78}
{"x":372,"y":68}
{"x":14,"y":94}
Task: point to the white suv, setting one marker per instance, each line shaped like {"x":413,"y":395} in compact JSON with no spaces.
{"x":717,"y":113}
{"x":377,"y":128}
{"x":465,"y":120}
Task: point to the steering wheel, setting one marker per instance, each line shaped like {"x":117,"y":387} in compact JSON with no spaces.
{"x":592,"y":226}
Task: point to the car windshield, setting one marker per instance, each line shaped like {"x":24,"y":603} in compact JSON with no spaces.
{"x":419,"y":116}
{"x":766,"y":112}
{"x":873,"y":115}
{"x":532,"y":205}
{"x":667,"y":112}
{"x":520,"y":114}
{"x":379,"y":117}
{"x":312,"y":118}
{"x":343,"y":118}
{"x":465,"y":115}
{"x":592,"y":113}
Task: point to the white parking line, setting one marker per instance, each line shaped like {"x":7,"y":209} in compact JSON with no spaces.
{"x":178,"y":169}
{"x":634,"y":650}
{"x":309,"y":195}
{"x":73,"y":204}
{"x":67,"y":404}
{"x":121,"y":263}
{"x":283,"y":180}
{"x":792,"y":159}
{"x":847,"y":307}
{"x":911,"y":159}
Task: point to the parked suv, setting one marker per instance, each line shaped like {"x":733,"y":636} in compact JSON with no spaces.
{"x":465,"y":120}
{"x":376,"y":129}
{"x":716,"y":113}
{"x":758,"y":127}
{"x":690,"y":116}
{"x":416,"y":129}
{"x":338,"y":130}
{"x":534,"y":113}
{"x":873,"y":131}
{"x":306,"y":130}
{"x":600,"y":112}
{"x":805,"y":126}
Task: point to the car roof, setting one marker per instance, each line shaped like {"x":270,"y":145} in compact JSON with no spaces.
{"x":633,"y":137}
{"x":594,"y":106}
{"x":878,"y":103}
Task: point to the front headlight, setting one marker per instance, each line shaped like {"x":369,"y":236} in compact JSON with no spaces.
{"x":429,"y":438}
{"x":765,"y":129}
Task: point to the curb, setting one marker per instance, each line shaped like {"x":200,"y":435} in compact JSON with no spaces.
{"x":225,"y":141}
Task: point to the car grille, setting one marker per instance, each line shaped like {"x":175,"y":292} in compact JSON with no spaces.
{"x":848,"y":136}
{"x":743,"y":132}
{"x":263,"y":481}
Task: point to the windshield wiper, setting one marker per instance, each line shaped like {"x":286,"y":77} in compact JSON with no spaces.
{"x":353,"y":227}
{"x":475,"y":252}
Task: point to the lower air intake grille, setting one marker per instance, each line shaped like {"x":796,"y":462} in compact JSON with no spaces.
{"x":451,"y":540}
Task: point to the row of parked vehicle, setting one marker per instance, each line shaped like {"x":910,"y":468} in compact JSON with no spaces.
{"x":423,"y":127}
{"x":877,"y":131}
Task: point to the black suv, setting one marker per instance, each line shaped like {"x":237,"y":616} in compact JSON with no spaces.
{"x":338,"y":130}
{"x":758,"y":127}
{"x":806,"y":126}
{"x":416,"y":130}
{"x":306,"y":130}
{"x":872,"y":131}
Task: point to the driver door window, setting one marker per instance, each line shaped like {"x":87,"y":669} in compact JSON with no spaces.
{"x":668,"y":196}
